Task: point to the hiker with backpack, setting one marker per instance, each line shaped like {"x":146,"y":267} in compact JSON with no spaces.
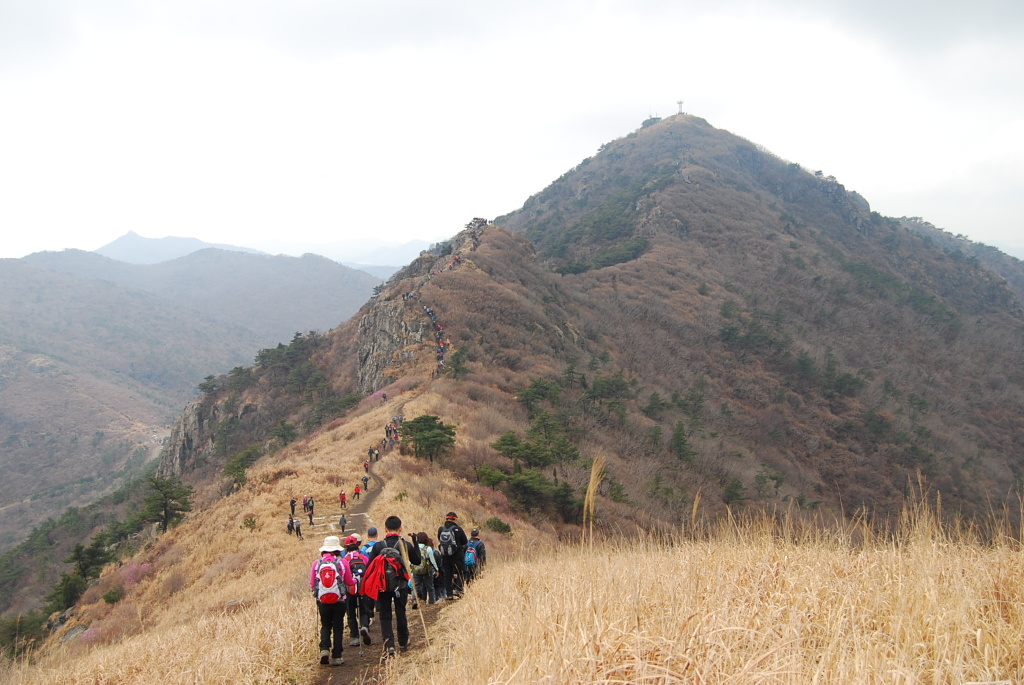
{"x":329,"y":579}
{"x":451,"y":542}
{"x":371,"y":540}
{"x":476,"y":555}
{"x":298,"y":529}
{"x":364,"y":548}
{"x":359,"y":607}
{"x":387,"y":581}
{"x":439,"y":578}
{"x":423,"y":574}
{"x":291,"y":525}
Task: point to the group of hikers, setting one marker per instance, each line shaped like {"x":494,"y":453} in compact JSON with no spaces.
{"x":295,"y":524}
{"x":476,"y":227}
{"x":391,"y":437}
{"x":363,"y":580}
{"x":443,"y":342}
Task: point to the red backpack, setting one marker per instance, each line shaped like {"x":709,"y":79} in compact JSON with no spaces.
{"x":329,"y":588}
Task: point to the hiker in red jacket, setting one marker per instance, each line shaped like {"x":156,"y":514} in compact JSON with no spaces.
{"x":387,"y":581}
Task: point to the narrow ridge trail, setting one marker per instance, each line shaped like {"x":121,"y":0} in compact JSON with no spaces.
{"x":364,"y":665}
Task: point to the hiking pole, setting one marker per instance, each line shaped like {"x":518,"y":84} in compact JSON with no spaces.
{"x":419,"y":609}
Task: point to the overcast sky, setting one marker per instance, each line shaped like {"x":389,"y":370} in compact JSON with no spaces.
{"x":257,"y":122}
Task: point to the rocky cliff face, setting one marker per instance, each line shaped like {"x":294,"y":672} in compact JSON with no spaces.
{"x":191,"y":436}
{"x":387,"y":340}
{"x":194,"y":435}
{"x":393,"y":335}
{"x":393,"y":330}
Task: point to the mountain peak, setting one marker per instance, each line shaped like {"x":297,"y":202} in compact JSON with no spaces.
{"x":136,"y":249}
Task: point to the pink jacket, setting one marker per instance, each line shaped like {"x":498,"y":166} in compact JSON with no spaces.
{"x":346,"y":574}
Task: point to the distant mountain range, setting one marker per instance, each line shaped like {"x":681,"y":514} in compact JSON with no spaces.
{"x":135,"y":249}
{"x":375,"y":257}
{"x":273,"y":296}
{"x":97,"y":355}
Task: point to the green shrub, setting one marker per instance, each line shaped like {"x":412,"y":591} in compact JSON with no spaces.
{"x":498,"y":526}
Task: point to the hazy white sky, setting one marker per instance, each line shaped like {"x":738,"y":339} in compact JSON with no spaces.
{"x":313,"y":121}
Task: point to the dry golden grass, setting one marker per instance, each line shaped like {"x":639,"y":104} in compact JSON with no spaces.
{"x":212,"y":602}
{"x":770,"y":600}
{"x":742,"y":606}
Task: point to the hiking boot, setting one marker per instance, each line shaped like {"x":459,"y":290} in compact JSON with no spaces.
{"x":390,"y":654}
{"x":337,"y":661}
{"x":325,"y":657}
{"x":365,"y":632}
{"x":354,"y":642}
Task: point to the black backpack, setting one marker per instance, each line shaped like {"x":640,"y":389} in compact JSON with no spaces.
{"x":357,"y":565}
{"x":395,"y":578}
{"x":446,"y":542}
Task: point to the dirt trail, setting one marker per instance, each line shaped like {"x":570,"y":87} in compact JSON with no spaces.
{"x":363,"y":664}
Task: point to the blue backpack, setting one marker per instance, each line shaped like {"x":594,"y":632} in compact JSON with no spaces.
{"x":470,"y":554}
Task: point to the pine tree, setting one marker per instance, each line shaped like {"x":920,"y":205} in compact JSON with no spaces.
{"x":168,"y":501}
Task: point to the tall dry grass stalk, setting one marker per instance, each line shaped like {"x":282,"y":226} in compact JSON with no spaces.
{"x":590,"y":500}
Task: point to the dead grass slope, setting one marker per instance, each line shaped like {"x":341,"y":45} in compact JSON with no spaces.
{"x":212,"y":601}
{"x":758,"y":601}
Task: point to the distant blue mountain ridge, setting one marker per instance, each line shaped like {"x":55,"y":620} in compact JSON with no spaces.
{"x":378,"y":258}
{"x":135,"y":249}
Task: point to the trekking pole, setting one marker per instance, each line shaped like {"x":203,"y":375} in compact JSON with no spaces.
{"x":419,"y":609}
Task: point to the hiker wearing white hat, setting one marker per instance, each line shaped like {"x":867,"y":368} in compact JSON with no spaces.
{"x":328,"y":579}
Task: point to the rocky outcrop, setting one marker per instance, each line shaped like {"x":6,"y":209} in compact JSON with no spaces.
{"x":387,"y":340}
{"x":191,"y":437}
{"x":394,"y":330}
{"x":194,"y":435}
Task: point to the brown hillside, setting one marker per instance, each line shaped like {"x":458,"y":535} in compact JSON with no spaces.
{"x":754,"y":367}
{"x":773,"y":341}
{"x":89,"y":371}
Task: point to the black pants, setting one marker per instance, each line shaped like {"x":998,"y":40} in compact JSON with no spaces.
{"x":387,"y":630}
{"x":454,"y":575}
{"x":363,"y":606}
{"x":332,"y":621}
